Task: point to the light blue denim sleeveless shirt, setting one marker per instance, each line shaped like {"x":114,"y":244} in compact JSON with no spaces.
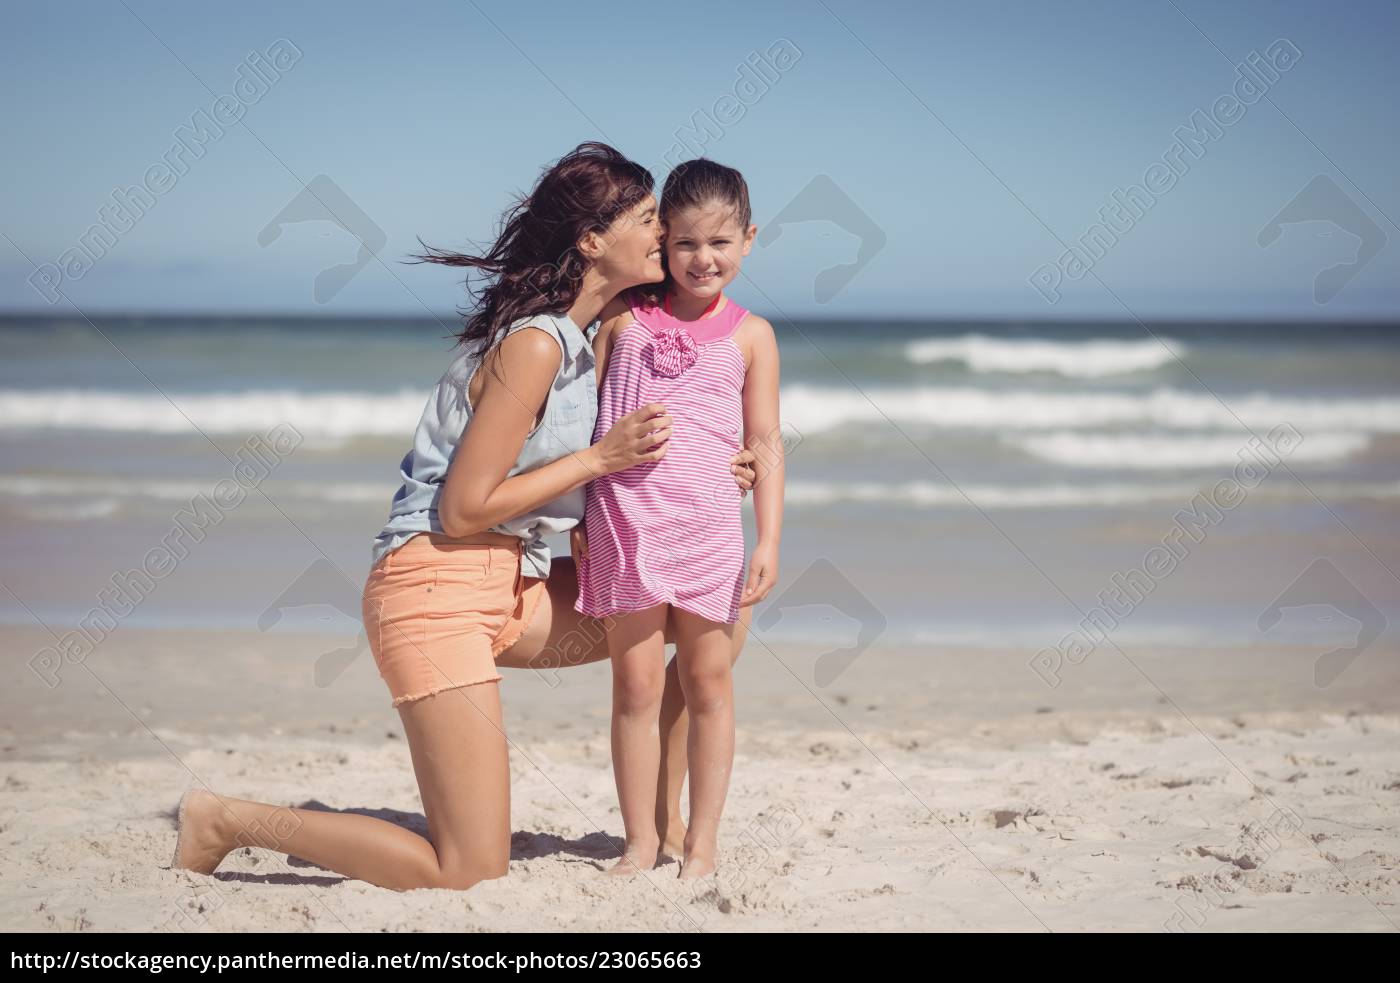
{"x":570,"y":413}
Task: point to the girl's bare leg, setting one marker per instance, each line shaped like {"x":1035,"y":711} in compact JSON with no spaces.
{"x":560,"y":637}
{"x":638,"y":655}
{"x":675,"y":726}
{"x":459,"y":753}
{"x":703,"y":650}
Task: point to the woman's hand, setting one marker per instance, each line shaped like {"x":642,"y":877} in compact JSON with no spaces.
{"x":637,"y":437}
{"x":763,"y":574}
{"x":578,"y":543}
{"x":744,"y":474}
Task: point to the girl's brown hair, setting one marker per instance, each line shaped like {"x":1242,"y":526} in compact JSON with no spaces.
{"x":695,"y":183}
{"x":534,"y":265}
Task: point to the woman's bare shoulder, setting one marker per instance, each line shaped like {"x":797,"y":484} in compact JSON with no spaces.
{"x":534,"y":355}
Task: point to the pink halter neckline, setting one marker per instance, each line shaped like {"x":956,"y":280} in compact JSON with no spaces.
{"x":704,"y":330}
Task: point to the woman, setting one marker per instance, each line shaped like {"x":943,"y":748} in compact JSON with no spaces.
{"x":463,"y":582}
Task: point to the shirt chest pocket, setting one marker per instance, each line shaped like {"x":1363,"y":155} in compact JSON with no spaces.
{"x":566,"y":406}
{"x":568,"y":425}
{"x":575,"y":399}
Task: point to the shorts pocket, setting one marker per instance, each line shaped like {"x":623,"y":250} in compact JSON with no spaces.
{"x":447,"y":581}
{"x":393,"y":621}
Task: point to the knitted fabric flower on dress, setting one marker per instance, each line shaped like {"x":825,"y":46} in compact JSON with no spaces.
{"x":673,"y":350}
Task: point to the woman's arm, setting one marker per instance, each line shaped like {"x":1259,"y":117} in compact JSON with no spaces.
{"x":477,"y":495}
{"x":616,"y":316}
{"x":763,"y":435}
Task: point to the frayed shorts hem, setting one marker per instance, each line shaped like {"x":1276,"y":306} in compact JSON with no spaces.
{"x":401,"y":700}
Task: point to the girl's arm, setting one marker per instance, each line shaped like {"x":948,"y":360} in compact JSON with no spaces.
{"x":763,"y":435}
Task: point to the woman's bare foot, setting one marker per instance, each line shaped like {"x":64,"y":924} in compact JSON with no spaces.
{"x":697,"y":865}
{"x":200,"y":842}
{"x":636,"y":858}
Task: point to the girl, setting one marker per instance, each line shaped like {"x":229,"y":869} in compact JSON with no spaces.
{"x":463,"y":582}
{"x":665,"y":538}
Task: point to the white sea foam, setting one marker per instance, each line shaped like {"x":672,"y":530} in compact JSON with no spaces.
{"x":112,"y":488}
{"x":928,"y":494}
{"x":931,"y":495}
{"x":313,"y":414}
{"x":817,"y":409}
{"x":1084,"y":359}
{"x":85,"y":511}
{"x":333,"y":416}
{"x":70,"y":498}
{"x":1155,"y":452}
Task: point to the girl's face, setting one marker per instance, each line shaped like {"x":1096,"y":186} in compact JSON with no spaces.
{"x":632,"y":246}
{"x":705,"y":245}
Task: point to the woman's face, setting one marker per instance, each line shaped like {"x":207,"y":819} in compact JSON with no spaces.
{"x":632,"y":253}
{"x":705,"y":246}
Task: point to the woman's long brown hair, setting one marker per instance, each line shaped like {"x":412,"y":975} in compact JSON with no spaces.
{"x":535,"y":266}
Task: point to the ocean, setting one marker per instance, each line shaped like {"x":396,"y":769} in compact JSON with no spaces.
{"x":949,"y":485}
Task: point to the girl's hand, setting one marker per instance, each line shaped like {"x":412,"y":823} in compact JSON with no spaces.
{"x":744,"y":474}
{"x":763,"y":574}
{"x":578,"y":543}
{"x":637,"y":437}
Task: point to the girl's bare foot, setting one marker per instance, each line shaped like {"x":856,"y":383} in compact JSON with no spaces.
{"x":200,"y":842}
{"x":697,"y":865}
{"x":636,"y":859}
{"x":673,"y":842}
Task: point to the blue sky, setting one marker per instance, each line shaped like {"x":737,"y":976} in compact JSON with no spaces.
{"x":975,"y":139}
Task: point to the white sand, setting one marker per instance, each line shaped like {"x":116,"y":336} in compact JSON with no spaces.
{"x":1124,"y":832}
{"x":1018,"y":820}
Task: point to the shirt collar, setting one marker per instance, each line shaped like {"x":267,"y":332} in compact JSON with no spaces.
{"x":579,"y":339}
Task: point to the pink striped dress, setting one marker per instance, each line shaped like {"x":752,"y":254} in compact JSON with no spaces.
{"x":670,"y":531}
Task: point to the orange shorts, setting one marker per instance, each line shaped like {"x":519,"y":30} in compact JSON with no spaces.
{"x":437,"y":612}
